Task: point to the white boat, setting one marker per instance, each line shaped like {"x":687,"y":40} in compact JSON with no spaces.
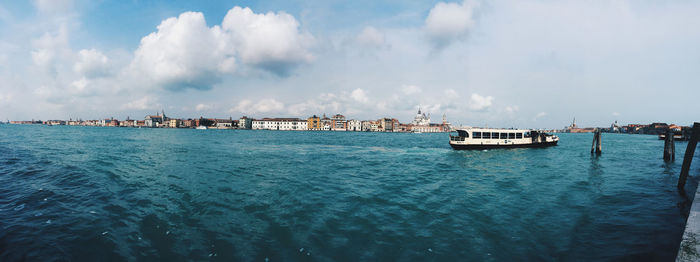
{"x":488,"y":138}
{"x":201,"y":128}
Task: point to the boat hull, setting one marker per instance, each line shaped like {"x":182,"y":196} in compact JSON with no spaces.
{"x":483,"y":147}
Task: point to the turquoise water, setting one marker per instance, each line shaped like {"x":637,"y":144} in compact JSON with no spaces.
{"x":116,"y":194}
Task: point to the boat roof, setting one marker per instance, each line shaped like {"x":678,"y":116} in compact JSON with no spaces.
{"x":479,"y":129}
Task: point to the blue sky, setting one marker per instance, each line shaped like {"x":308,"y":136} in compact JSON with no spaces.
{"x":498,"y":63}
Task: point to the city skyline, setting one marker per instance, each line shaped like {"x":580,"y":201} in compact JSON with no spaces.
{"x":511,"y":63}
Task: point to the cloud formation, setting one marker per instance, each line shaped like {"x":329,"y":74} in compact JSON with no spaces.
{"x":359,"y":95}
{"x":92,"y":63}
{"x":267,"y":105}
{"x":371,"y":37}
{"x":411,"y":89}
{"x":271,"y":41}
{"x":186,"y":53}
{"x":448,"y":22}
{"x":480,"y":103}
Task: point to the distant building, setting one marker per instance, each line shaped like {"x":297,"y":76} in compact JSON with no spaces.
{"x":421,"y":119}
{"x":338,"y":123}
{"x":280,"y":124}
{"x":245,"y":123}
{"x":354,"y":125}
{"x":388,"y":125}
{"x":174,"y":123}
{"x":155,"y":120}
{"x":189,"y":123}
{"x":313,"y":123}
{"x":326,"y":123}
{"x":224,"y":123}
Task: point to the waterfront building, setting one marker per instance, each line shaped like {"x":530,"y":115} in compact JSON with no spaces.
{"x":55,"y":122}
{"x":421,"y":119}
{"x":174,"y":123}
{"x":224,"y":123}
{"x":338,"y":123}
{"x":257,"y":124}
{"x":387,"y":124}
{"x":127,"y":123}
{"x":374,"y":126}
{"x":421,"y":124}
{"x":245,"y":123}
{"x":445,"y":123}
{"x":313,"y":123}
{"x":431,"y":128}
{"x":153,"y":120}
{"x":189,"y":123}
{"x":280,"y":124}
{"x":354,"y":125}
{"x":366,"y":125}
{"x":326,"y":123}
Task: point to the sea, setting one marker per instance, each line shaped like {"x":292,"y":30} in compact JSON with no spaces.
{"x":129,"y":194}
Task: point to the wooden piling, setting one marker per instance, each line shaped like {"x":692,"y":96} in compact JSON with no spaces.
{"x":596,"y":146}
{"x":669,"y":147}
{"x":595,"y":136}
{"x":689,"y":152}
{"x":599,"y":144}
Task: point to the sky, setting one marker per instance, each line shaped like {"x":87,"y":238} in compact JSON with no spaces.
{"x":525,"y":63}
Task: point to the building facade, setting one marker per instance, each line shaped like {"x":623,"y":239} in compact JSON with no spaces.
{"x":280,"y":124}
{"x":245,"y":123}
{"x":354,"y":125}
{"x":338,"y":123}
{"x":313,"y":123}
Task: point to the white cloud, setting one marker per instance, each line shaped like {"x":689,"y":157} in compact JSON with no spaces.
{"x":451,"y":93}
{"x":49,"y":49}
{"x":184,"y":53}
{"x":480,"y":103}
{"x":448,"y":22}
{"x":53,"y":6}
{"x":91,"y":63}
{"x":371,"y":37}
{"x":202,"y":107}
{"x":80,"y":84}
{"x":512,"y":109}
{"x":271,"y":41}
{"x":143,"y":103}
{"x":539,"y":115}
{"x":267,"y":105}
{"x":5,"y":98}
{"x":359,"y":95}
{"x":411,"y":89}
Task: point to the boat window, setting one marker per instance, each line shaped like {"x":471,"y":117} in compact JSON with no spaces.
{"x":527,"y":134}
{"x":494,"y":135}
{"x":511,"y":135}
{"x":463,"y":133}
{"x":518,"y":135}
{"x":476,"y":134}
{"x":486,"y":135}
{"x":504,"y":135}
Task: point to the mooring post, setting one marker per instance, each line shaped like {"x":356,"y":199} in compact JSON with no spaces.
{"x":599,"y":143}
{"x":597,"y":146}
{"x":689,"y":152}
{"x":595,"y":138}
{"x":673,"y":148}
{"x":669,"y":148}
